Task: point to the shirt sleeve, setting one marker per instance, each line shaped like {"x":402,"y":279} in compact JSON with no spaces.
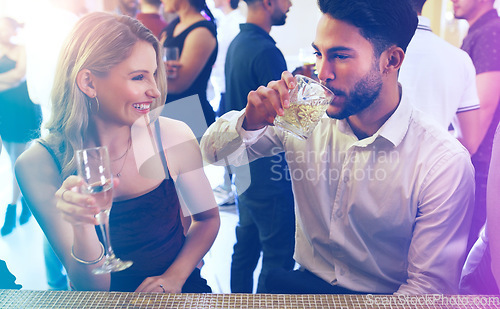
{"x":438,"y":247}
{"x":226,"y":142}
{"x":486,"y":50}
{"x":470,"y":99}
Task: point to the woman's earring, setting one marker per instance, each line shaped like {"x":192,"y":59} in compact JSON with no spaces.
{"x":97,"y":103}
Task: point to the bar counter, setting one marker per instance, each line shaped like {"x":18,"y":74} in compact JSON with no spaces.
{"x":27,"y":299}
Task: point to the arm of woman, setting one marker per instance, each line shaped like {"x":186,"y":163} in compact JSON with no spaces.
{"x":13,"y":77}
{"x":493,"y":207}
{"x":186,"y":167}
{"x":67,"y":222}
{"x":198,"y":46}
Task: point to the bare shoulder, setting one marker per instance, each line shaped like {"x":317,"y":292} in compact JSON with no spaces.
{"x":201,"y":36}
{"x":34,"y":155}
{"x":175,"y":131}
{"x":17,"y":53}
{"x":36,"y":160}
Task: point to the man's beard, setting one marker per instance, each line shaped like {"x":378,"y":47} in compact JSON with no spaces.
{"x":279,"y":20}
{"x":363,"y":94}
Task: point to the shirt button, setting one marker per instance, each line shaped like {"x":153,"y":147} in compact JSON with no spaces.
{"x":339,"y":213}
{"x":346,"y":179}
{"x":342,"y":271}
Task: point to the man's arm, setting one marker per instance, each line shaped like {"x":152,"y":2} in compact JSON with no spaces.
{"x":231,"y":135}
{"x":469,"y":129}
{"x":489,"y":95}
{"x":226,"y":142}
{"x":438,"y":245}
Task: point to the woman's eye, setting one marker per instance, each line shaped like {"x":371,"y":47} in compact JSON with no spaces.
{"x":138,"y":77}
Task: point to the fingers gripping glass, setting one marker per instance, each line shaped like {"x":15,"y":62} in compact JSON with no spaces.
{"x":94,"y":168}
{"x":171,"y":54}
{"x":308,"y":103}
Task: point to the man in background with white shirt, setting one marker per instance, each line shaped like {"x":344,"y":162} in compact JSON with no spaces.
{"x":442,"y":79}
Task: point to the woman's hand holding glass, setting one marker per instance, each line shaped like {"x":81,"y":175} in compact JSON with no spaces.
{"x":93,"y":165}
{"x":77,"y":208}
{"x":172,"y":67}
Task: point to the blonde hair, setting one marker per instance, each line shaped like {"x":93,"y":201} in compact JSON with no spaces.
{"x":98,"y":42}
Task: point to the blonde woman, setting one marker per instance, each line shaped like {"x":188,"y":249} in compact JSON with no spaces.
{"x":110,"y":78}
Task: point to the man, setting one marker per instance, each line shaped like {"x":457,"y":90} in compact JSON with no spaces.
{"x":151,"y":16}
{"x":127,"y":7}
{"x":266,"y":215}
{"x":441,"y":77}
{"x":382,"y":195}
{"x":482,"y":43}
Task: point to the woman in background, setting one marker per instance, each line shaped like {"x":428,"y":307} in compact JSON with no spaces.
{"x":20,"y":119}
{"x":196,"y":38}
{"x":109,"y":80}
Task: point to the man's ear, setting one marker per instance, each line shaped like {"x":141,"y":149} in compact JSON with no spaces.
{"x":85,"y":81}
{"x":268,"y":4}
{"x":392,"y":59}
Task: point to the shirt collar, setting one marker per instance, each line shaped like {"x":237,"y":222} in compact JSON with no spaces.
{"x":483,"y":20}
{"x":424,"y":23}
{"x":393,"y":130}
{"x":255,"y":28}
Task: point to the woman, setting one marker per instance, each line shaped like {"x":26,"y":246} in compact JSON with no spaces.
{"x":481,"y":272}
{"x":20,"y":119}
{"x":195,"y":37}
{"x":109,"y":79}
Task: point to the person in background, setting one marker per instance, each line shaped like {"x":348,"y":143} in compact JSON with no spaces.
{"x":196,"y":38}
{"x":20,"y":119}
{"x":482,"y":43}
{"x":227,"y":28}
{"x":481,"y":271}
{"x":441,"y":77}
{"x":151,"y":16}
{"x":382,"y":195}
{"x":265,"y":208}
{"x":45,"y":30}
{"x":108,"y":97}
{"x":7,"y":279}
{"x":127,"y":7}
{"x":493,"y":209}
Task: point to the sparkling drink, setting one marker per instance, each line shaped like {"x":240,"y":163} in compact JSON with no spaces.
{"x":93,"y":166}
{"x":302,"y":118}
{"x":103,"y":193}
{"x":308,"y":103}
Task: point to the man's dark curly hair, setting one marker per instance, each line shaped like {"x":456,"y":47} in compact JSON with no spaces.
{"x":382,"y":22}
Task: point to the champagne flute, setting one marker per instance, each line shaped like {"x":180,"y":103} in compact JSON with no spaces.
{"x":94,"y":168}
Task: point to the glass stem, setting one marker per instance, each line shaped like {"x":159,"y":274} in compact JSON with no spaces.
{"x":107,"y":243}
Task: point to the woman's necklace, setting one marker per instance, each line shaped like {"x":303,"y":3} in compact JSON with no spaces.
{"x":124,"y":160}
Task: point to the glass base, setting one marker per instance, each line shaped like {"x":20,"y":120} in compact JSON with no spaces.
{"x":112,"y":265}
{"x":285,"y":126}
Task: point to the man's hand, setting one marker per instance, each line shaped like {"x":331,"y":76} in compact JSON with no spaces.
{"x":266,"y":102}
